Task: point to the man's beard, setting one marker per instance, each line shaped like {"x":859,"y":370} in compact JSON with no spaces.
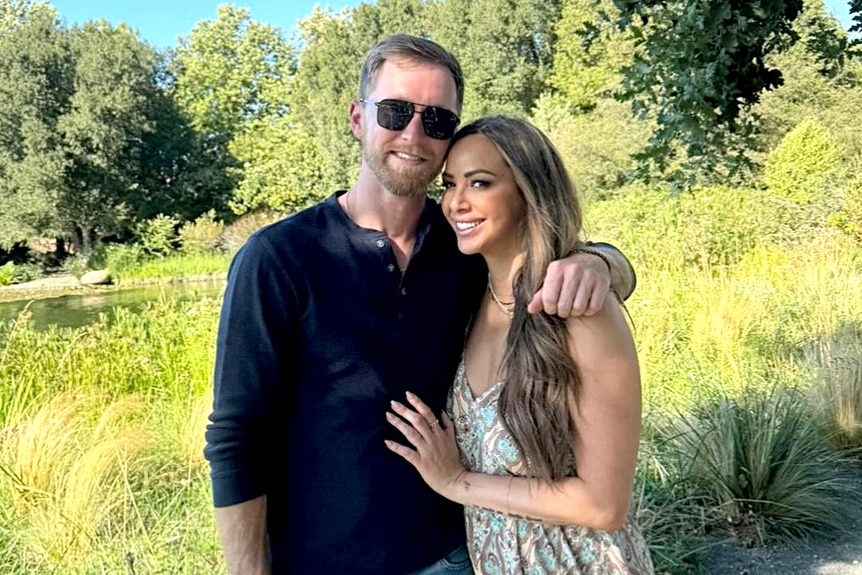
{"x":404,"y":182}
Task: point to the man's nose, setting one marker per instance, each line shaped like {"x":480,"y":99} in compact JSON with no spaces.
{"x":414,"y":128}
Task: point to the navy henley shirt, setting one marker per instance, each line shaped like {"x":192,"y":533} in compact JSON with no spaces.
{"x":319,"y":330}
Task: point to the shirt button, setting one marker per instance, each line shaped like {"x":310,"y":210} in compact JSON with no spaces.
{"x":381,"y":244}
{"x":403,"y":291}
{"x":390,"y":268}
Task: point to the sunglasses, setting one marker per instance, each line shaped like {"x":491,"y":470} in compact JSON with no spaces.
{"x":438,"y":123}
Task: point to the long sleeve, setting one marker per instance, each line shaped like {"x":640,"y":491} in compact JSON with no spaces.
{"x":252,"y":366}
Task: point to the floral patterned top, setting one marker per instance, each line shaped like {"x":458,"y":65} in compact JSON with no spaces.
{"x":502,"y":544}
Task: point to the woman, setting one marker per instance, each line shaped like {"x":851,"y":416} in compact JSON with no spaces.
{"x":546,"y":410}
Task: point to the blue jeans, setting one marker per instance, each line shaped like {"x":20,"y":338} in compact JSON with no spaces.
{"x":455,"y":563}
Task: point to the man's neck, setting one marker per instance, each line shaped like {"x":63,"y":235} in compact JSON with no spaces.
{"x":372,"y":206}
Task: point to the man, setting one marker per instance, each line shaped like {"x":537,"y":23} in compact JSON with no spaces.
{"x":331,"y":314}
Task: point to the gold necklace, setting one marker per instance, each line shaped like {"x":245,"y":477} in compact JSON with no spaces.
{"x":507,"y":307}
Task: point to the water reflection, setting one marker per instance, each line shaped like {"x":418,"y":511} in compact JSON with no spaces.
{"x":76,"y":310}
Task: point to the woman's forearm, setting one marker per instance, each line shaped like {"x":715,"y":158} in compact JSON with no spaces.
{"x":565,"y":502}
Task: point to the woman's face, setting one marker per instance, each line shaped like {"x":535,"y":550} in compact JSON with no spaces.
{"x":481,"y":199}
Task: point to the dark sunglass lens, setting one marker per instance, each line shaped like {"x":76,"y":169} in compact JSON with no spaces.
{"x":394,"y":114}
{"x":439,"y":123}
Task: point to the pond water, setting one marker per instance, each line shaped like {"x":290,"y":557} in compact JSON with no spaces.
{"x":79,"y":309}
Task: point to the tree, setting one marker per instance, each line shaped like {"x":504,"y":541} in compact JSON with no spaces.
{"x":228,"y":77}
{"x":699,"y":66}
{"x":89,"y":144}
{"x":589,"y":54}
{"x":13,"y":13}
{"x":505,"y":48}
{"x":36,"y":83}
{"x":820,"y":82}
{"x":282,"y":168}
{"x":805,"y":168}
{"x":230,"y":71}
{"x":856,"y":17}
{"x":106,"y":120}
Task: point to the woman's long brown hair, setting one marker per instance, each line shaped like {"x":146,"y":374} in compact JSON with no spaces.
{"x":541,"y":378}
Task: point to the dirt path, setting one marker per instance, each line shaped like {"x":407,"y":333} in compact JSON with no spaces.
{"x":837,"y":555}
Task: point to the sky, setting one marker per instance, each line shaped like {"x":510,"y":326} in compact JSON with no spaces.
{"x":160,"y":22}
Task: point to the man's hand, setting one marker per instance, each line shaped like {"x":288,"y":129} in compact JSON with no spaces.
{"x":574,"y":286}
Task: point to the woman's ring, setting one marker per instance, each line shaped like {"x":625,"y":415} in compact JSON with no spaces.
{"x":433,"y":424}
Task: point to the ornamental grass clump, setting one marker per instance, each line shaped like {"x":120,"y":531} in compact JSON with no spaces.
{"x":762,"y":467}
{"x":836,"y":390}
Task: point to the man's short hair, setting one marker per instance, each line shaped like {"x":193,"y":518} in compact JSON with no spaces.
{"x":412,"y":49}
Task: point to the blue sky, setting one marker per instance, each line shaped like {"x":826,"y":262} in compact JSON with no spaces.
{"x":160,"y":22}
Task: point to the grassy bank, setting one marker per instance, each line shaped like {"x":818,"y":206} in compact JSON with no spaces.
{"x":750,"y":354}
{"x":172,"y":268}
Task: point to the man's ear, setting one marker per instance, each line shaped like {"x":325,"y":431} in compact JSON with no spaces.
{"x":356,"y":118}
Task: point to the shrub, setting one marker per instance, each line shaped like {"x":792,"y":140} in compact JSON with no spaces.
{"x":76,"y":265}
{"x":849,"y":219}
{"x":236,"y":234}
{"x":762,"y":467}
{"x":7,"y":274}
{"x":12,"y":273}
{"x":203,"y":236}
{"x":805,"y":166}
{"x":158,"y":236}
{"x":27,"y":272}
{"x":121,"y":258}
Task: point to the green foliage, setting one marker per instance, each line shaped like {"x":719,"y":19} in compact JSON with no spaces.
{"x":589,"y":54}
{"x":505,"y":48}
{"x":856,"y":16}
{"x":822,"y":36}
{"x":13,"y":13}
{"x":76,"y":265}
{"x":202,"y":236}
{"x":172,"y":268}
{"x":282,"y":168}
{"x":849,"y":218}
{"x":114,"y":79}
{"x":121,"y":258}
{"x":697,"y":67}
{"x":708,"y":228}
{"x":7,"y":274}
{"x":35,"y":85}
{"x":230,"y":75}
{"x":597,"y":146}
{"x":325,"y":83}
{"x":12,"y":273}
{"x":820,"y":83}
{"x":230,"y":71}
{"x":90,"y":143}
{"x":158,"y":236}
{"x":805,"y":167}
{"x":762,"y":466}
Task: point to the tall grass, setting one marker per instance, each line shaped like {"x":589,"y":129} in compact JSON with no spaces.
{"x":836,"y":390}
{"x":101,"y":431}
{"x":172,"y":267}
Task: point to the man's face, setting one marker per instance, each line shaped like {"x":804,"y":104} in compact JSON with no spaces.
{"x":406,"y":161}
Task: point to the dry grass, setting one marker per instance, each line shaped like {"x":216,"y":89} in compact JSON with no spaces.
{"x":69,"y":463}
